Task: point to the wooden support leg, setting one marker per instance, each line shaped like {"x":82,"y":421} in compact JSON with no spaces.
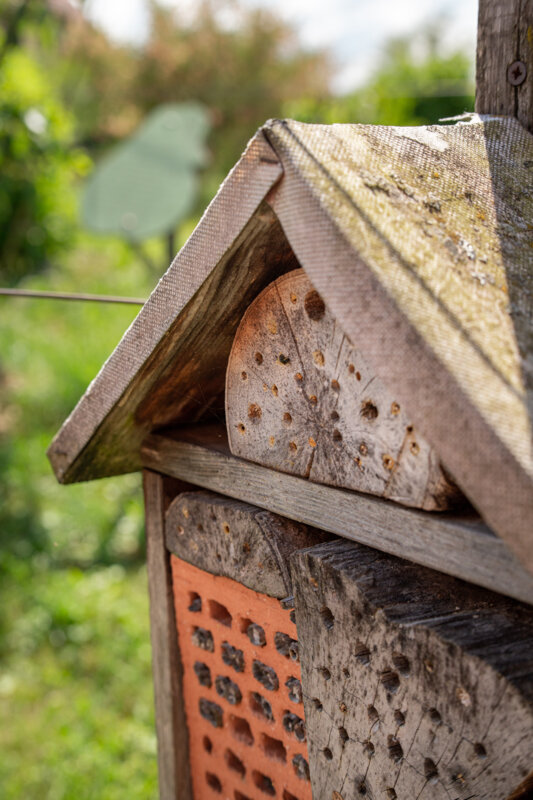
{"x":416,"y":686}
{"x":172,"y":737}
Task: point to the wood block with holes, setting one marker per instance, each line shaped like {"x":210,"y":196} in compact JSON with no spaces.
{"x":416,"y":685}
{"x":239,"y":649}
{"x":302,"y":398}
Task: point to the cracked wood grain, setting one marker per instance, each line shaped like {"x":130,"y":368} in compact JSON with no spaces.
{"x":416,"y":686}
{"x":302,"y":398}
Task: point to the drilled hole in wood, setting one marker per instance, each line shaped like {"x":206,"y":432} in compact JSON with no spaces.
{"x":313,"y":399}
{"x":225,"y":528}
{"x":265,"y":675}
{"x":369,"y":410}
{"x":273,"y":748}
{"x":430,"y":771}
{"x":294,"y":687}
{"x":346,"y":672}
{"x":314,"y":305}
{"x":295,"y":725}
{"x":213,"y":782}
{"x":287,"y":419}
{"x":181,"y":530}
{"x":358,"y":376}
{"x":294,"y":298}
{"x":337,"y":436}
{"x":401,"y":663}
{"x":301,"y":767}
{"x":241,"y":428}
{"x":211,"y":712}
{"x":195,"y":602}
{"x":228,"y":689}
{"x":317,"y":704}
{"x":390,"y":680}
{"x":480,"y":751}
{"x":373,"y":715}
{"x":283,"y":359}
{"x":409,"y":429}
{"x":368,"y":748}
{"x":200,"y":528}
{"x":334,"y":416}
{"x":363,"y":449}
{"x":234,"y":763}
{"x":351,"y":368}
{"x":254,"y":411}
{"x":388,"y":462}
{"x":203,"y":639}
{"x":343,"y":707}
{"x":263,"y":783}
{"x":414,"y":448}
{"x":395,"y":409}
{"x":328,"y":755}
{"x":335,"y":385}
{"x":298,"y":377}
{"x":219,"y":612}
{"x":203,"y":673}
{"x":274,"y":390}
{"x":244,"y":375}
{"x":399,"y":718}
{"x":293,"y":447}
{"x":343,"y":735}
{"x":362,"y":789}
{"x":391,"y":793}
{"x":260,"y":706}
{"x":258,"y":358}
{"x":207,"y":744}
{"x":394,"y":748}
{"x":326,"y":674}
{"x":318,"y":358}
{"x":233,"y":657}
{"x":434,"y":716}
{"x":362,"y":653}
{"x":327,"y":618}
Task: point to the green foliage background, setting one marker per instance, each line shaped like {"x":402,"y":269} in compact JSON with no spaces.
{"x":75,"y":683}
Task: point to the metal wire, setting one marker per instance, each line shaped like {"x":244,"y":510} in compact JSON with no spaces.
{"x":86,"y":298}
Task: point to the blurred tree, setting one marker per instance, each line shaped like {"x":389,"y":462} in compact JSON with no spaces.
{"x":37,"y":162}
{"x":418,"y":81}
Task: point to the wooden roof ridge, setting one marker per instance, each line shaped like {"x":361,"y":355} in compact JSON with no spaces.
{"x":419,"y":240}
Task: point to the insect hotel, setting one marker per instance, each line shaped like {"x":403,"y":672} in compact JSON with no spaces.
{"x":329,"y":394}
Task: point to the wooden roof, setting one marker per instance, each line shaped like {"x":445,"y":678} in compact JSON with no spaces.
{"x":421,"y":243}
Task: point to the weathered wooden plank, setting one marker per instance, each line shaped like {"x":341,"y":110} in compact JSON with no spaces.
{"x":172,"y":737}
{"x":457,"y":546}
{"x":504,"y":70}
{"x":416,"y":685}
{"x":301,"y":398}
{"x":237,"y":540}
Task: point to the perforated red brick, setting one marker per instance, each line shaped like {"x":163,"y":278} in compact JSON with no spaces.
{"x":242,"y":690}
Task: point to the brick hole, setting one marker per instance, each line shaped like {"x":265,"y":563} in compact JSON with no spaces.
{"x":402,"y":664}
{"x":295,"y":690}
{"x":288,"y":796}
{"x":301,"y":767}
{"x":295,"y":725}
{"x":480,"y":751}
{"x":265,"y":675}
{"x":326,"y":674}
{"x":390,"y":680}
{"x":399,"y":718}
{"x":328,"y":755}
{"x":203,"y":639}
{"x":317,"y":704}
{"x":207,"y":744}
{"x":369,"y":410}
{"x":212,"y":712}
{"x":395,"y":749}
{"x":234,"y":763}
{"x":292,"y":617}
{"x":430,"y":771}
{"x":282,"y":643}
{"x":263,"y":783}
{"x":233,"y":657}
{"x":260,"y":706}
{"x":213,"y":782}
{"x":362,"y":653}
{"x":273,"y":748}
{"x":220,"y":613}
{"x":343,"y":735}
{"x":435,"y":716}
{"x":203,"y":673}
{"x":255,"y":632}
{"x":240,"y":796}
{"x":240,"y":729}
{"x":195,"y":602}
{"x":327,"y":618}
{"x":227,"y":689}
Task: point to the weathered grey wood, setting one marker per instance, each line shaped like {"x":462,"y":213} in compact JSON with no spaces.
{"x":172,"y":737}
{"x":504,"y":40}
{"x":235,"y":539}
{"x":301,"y":398}
{"x":463,"y":547}
{"x":416,"y":685}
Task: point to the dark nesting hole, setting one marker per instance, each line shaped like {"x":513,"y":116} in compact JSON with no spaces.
{"x":480,"y":751}
{"x":395,"y":749}
{"x":334,"y":416}
{"x":265,"y":675}
{"x":208,"y":744}
{"x":240,"y":729}
{"x":430,"y":771}
{"x":211,"y":712}
{"x":362,"y":653}
{"x":213,"y":782}
{"x":314,"y":305}
{"x":288,"y":796}
{"x":254,"y":411}
{"x":295,"y":725}
{"x":390,"y":680}
{"x":233,"y":657}
{"x":391,"y":793}
{"x":434,"y":716}
{"x":244,"y":375}
{"x":287,"y":419}
{"x":368,"y":748}
{"x":260,"y":706}
{"x":399,"y":718}
{"x":301,"y":767}
{"x":273,"y":748}
{"x":258,"y":358}
{"x":203,"y":639}
{"x":295,"y":689}
{"x":203,"y":673}
{"x":240,"y":796}
{"x":256,"y":634}
{"x":200,"y":528}
{"x":328,"y":755}
{"x":337,"y":435}
{"x":195,"y":602}
{"x":362,"y":789}
{"x":373,"y":715}
{"x":335,"y":385}
{"x":346,"y":672}
{"x":326,"y":674}
{"x":369,"y":410}
{"x":220,"y":613}
{"x":234,"y":763}
{"x":327,"y":618}
{"x":317,"y":704}
{"x":263,"y":783}
{"x":227,"y":689}
{"x":401,"y":663}
{"x":343,"y":735}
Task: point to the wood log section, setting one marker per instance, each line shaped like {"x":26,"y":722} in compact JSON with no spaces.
{"x":416,"y":686}
{"x":301,"y":398}
{"x":240,"y":541}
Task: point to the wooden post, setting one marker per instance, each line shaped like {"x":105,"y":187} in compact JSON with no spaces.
{"x":504,"y":70}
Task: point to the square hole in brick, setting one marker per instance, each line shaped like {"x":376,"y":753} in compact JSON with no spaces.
{"x":263,"y":783}
{"x":273,"y":748}
{"x":220,"y":613}
{"x":240,"y":729}
{"x":213,"y":782}
{"x":240,"y":796}
{"x":288,"y":796}
{"x":234,"y":763}
{"x":195,"y":602}
{"x":265,"y":675}
{"x":261,"y":707}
